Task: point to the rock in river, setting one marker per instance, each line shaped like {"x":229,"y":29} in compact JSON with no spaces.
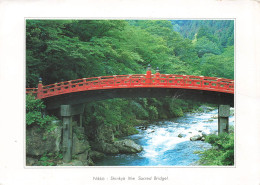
{"x":196,"y":138}
{"x":128,"y":146}
{"x":181,"y":135}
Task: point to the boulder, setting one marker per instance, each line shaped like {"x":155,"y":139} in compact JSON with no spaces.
{"x":123,"y":146}
{"x":214,"y":116}
{"x":40,"y":141}
{"x":105,"y":148}
{"x":79,"y":146}
{"x":196,"y":138}
{"x":77,"y":163}
{"x":30,"y":161}
{"x":203,"y":139}
{"x":181,"y":135}
{"x":152,"y":131}
{"x":89,"y":163}
{"x":95,"y":155}
{"x":82,"y":157}
{"x":128,"y":146}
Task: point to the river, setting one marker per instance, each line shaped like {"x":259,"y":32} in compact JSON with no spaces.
{"x":163,"y":147}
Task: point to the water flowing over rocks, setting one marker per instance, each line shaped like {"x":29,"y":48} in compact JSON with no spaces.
{"x":174,"y":142}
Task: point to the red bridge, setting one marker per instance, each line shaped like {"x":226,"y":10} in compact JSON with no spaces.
{"x":147,"y":80}
{"x":67,"y":99}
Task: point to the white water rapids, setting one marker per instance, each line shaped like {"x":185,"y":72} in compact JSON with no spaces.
{"x":163,"y":147}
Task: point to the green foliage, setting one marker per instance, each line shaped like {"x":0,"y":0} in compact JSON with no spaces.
{"x":219,"y":31}
{"x":204,"y":45}
{"x":222,"y":151}
{"x":50,"y":159}
{"x":34,"y":108}
{"x":127,"y":129}
{"x":153,"y":113}
{"x":219,"y":65}
{"x":45,"y":161}
{"x":139,"y":110}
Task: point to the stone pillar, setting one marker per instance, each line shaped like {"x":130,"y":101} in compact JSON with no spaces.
{"x":67,"y":132}
{"x":223,"y":115}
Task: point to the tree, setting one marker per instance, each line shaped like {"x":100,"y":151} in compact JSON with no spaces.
{"x":219,"y":65}
{"x":204,"y":45}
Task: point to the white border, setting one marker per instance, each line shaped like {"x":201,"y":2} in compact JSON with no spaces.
{"x":246,"y":13}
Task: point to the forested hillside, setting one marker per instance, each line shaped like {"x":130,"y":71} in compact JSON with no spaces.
{"x":221,"y":30}
{"x":59,"y":50}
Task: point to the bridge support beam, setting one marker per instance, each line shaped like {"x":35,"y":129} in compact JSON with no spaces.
{"x":66,"y":112}
{"x":223,"y":115}
{"x":67,"y":132}
{"x":80,"y":120}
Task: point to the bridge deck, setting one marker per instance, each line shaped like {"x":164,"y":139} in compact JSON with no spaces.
{"x":135,"y":81}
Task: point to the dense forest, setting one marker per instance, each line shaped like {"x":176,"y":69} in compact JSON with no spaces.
{"x":59,"y":50}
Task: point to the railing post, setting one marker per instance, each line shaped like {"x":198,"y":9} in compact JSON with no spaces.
{"x":69,"y":88}
{"x":99,"y":82}
{"x":201,"y":81}
{"x":157,"y":76}
{"x":61,"y":86}
{"x":184,"y":77}
{"x":114,"y":78}
{"x":84,"y":83}
{"x":39,"y":91}
{"x":148,"y":75}
{"x":55,"y":89}
{"x":130,"y":80}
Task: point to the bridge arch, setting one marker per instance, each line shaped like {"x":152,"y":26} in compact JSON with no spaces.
{"x":206,"y":89}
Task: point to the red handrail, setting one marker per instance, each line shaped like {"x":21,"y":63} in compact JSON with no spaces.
{"x":134,"y":81}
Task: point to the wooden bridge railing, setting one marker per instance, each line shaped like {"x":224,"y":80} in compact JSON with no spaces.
{"x":148,"y":80}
